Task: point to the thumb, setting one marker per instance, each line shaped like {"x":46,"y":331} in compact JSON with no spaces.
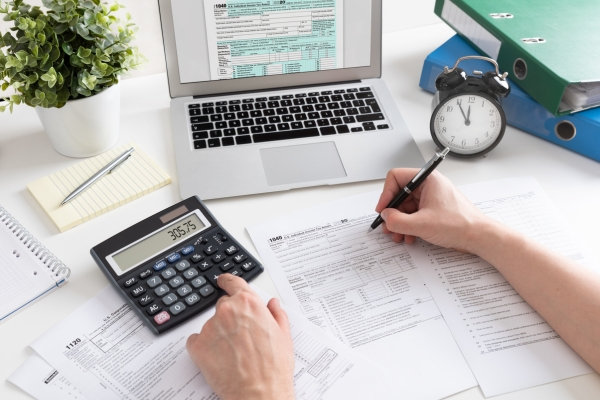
{"x":278,"y":314}
{"x":399,"y":222}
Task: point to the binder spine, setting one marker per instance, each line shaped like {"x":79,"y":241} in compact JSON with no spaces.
{"x":60,"y":271}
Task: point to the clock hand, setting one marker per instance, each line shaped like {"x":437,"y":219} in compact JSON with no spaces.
{"x":468,"y":121}
{"x":463,"y":113}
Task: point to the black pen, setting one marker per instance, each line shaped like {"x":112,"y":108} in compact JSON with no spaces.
{"x":413,"y":184}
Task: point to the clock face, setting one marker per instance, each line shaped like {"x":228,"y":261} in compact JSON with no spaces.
{"x":469,"y":124}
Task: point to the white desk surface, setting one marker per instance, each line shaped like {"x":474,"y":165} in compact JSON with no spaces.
{"x":572,"y":181}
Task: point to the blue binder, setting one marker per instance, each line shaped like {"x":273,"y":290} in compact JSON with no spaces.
{"x":578,"y":132}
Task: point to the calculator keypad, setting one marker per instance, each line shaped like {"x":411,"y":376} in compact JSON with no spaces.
{"x":183,"y":283}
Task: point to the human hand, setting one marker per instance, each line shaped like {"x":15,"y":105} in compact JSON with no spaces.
{"x":436,"y":211}
{"x":245,"y":350}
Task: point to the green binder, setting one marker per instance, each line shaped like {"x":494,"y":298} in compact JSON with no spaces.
{"x":550,"y":48}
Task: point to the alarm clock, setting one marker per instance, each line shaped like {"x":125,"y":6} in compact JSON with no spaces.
{"x":467,"y":113}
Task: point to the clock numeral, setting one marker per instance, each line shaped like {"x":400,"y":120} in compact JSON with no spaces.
{"x":471,"y":99}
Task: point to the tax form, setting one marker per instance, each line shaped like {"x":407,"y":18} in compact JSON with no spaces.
{"x":106,"y":350}
{"x":506,"y":343}
{"x":366,"y":290}
{"x":270,"y":37}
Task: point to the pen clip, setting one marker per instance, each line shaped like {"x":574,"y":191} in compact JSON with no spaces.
{"x":121,"y":162}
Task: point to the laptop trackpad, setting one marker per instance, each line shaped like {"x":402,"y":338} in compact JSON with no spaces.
{"x":301,"y":163}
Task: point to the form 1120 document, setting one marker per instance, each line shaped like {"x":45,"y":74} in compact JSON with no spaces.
{"x":365,"y":290}
{"x":105,"y":350}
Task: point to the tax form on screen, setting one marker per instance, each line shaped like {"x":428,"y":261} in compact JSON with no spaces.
{"x":248,"y":39}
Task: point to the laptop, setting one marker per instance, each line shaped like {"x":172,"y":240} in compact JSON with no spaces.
{"x":271,"y":95}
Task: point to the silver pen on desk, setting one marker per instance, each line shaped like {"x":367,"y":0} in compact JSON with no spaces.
{"x":103,"y":171}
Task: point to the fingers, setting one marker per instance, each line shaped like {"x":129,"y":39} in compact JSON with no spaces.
{"x":399,"y":223}
{"x":231,"y":284}
{"x":279,"y":314}
{"x":395,"y":180}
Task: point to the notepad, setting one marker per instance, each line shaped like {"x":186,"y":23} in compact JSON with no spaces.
{"x":135,"y":177}
{"x":28,"y":269}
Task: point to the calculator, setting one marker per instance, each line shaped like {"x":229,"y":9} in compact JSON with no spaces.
{"x":167,"y":265}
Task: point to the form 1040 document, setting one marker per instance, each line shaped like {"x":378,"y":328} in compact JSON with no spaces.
{"x":365,"y":290}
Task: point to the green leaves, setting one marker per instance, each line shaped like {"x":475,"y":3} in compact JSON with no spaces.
{"x":68,"y":49}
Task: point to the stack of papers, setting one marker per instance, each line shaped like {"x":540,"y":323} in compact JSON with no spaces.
{"x":370,"y":318}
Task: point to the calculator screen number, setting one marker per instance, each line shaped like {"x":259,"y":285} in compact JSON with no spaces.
{"x":156,"y":242}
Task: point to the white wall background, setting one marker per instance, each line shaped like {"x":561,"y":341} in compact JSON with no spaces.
{"x":397,"y":14}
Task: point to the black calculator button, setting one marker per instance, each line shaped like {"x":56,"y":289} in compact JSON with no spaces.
{"x":200,"y":240}
{"x":238,"y":258}
{"x":138,"y":291}
{"x":187,"y":250}
{"x":226,"y":266}
{"x":236,"y":272}
{"x":173,"y":257}
{"x":160,"y":265}
{"x":161,"y":318}
{"x":190,"y":273}
{"x":145,"y":274}
{"x":192,"y":299}
{"x":206,"y":290}
{"x":176,"y":282}
{"x":168,"y":273}
{"x":161,"y":290}
{"x":153,"y":309}
{"x":184,"y":290}
{"x":177,"y":308}
{"x":182,"y":265}
{"x":154,"y":281}
{"x":210,"y":249}
{"x":130,"y":282}
{"x":169,"y":299}
{"x":248,"y":265}
{"x":145,"y":300}
{"x":204,"y":265}
{"x":199,"y":281}
{"x":231,"y":250}
{"x":217,"y":258}
{"x":196,"y":257}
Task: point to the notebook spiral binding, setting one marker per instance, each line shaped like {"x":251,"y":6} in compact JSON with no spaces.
{"x":57,"y":267}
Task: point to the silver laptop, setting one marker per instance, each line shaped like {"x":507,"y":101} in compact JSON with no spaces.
{"x":271,"y":95}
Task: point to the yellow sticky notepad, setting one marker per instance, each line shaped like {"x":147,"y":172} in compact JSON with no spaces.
{"x":135,"y":177}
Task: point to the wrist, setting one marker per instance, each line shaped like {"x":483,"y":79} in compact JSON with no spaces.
{"x":488,"y":238}
{"x":263,"y":392}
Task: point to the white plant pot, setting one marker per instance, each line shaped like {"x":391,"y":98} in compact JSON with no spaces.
{"x":84,"y":127}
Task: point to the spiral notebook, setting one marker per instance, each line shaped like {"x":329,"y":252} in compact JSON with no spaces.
{"x":28,"y":269}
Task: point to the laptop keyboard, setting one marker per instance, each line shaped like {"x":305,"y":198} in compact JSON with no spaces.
{"x":291,"y":116}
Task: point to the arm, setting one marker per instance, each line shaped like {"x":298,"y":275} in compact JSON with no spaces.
{"x":566,"y":295}
{"x":245,"y":350}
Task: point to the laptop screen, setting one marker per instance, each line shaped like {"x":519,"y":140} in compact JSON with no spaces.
{"x":217,"y":46}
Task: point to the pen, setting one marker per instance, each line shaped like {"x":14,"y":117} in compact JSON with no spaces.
{"x":103,"y":171}
{"x":413,"y":184}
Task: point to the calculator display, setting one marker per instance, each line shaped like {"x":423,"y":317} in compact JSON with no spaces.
{"x":157,"y":242}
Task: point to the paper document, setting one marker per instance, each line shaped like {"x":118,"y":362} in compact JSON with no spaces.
{"x":135,"y":177}
{"x":104,"y":347}
{"x":261,"y":38}
{"x":506,"y":343}
{"x":366,"y":290}
{"x":43,"y":382}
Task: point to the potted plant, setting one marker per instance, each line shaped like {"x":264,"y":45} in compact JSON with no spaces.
{"x":65,"y":60}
